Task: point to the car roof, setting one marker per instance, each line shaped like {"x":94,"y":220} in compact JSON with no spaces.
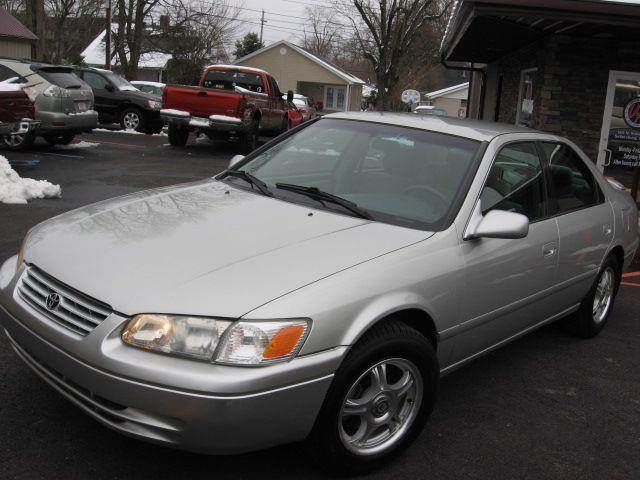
{"x":462,"y":127}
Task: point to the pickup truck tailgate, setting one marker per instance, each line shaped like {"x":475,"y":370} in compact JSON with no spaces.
{"x":201,"y":102}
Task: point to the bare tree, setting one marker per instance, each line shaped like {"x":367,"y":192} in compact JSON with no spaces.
{"x":64,"y":15}
{"x":321,"y":34}
{"x":16,"y":8}
{"x":385,"y":30}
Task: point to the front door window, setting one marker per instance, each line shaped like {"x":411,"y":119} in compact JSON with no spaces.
{"x":619,"y":155}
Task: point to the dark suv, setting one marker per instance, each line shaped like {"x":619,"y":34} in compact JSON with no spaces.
{"x":117,"y":101}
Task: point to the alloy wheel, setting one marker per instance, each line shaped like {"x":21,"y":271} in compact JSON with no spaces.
{"x":131,"y":121}
{"x":603,"y":295}
{"x":380,"y":406}
{"x":14,"y":140}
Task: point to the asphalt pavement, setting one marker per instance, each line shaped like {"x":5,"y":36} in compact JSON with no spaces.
{"x":548,"y":406}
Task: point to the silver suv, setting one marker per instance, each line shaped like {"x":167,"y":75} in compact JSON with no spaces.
{"x":63,"y":101}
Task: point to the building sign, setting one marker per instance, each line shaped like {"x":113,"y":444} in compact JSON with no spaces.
{"x":624,"y":132}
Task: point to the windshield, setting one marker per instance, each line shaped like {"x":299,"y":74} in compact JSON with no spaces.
{"x":228,"y":79}
{"x":120,"y":83}
{"x":399,"y":175}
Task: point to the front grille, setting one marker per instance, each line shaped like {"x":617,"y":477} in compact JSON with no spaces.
{"x":70,"y":308}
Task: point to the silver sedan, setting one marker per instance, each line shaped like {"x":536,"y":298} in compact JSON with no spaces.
{"x":319,"y":288}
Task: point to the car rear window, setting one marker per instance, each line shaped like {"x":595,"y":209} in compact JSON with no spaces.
{"x":61,"y":77}
{"x":228,"y":79}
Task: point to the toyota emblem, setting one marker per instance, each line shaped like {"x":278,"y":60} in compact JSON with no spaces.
{"x":53,"y":300}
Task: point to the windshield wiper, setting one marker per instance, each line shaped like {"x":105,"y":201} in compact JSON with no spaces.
{"x":317,"y":194}
{"x":247,"y":177}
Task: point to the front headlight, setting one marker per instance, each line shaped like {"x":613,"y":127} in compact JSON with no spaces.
{"x":20,"y":259}
{"x":155,"y":105}
{"x":263,"y":342}
{"x":195,"y":337}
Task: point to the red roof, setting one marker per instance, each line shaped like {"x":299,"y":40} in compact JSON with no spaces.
{"x":10,"y":26}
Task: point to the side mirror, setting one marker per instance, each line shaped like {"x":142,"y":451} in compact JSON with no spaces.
{"x":498,"y":224}
{"x":289,"y":96}
{"x":235,"y":160}
{"x":108,"y":87}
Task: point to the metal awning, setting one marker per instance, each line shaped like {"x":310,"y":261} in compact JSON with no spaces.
{"x":482,"y":31}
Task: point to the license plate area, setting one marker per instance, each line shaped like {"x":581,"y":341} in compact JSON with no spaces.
{"x":199,"y":122}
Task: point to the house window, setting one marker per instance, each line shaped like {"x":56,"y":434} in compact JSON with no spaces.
{"x":335,"y":97}
{"x":525,"y":97}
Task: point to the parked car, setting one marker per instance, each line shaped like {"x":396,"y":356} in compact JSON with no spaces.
{"x":155,"y":88}
{"x":306,"y":106}
{"x":63,"y":102}
{"x":231,"y":102}
{"x":294,"y":115}
{"x":118,"y":101}
{"x":17,"y":114}
{"x":350,"y":263}
{"x":430,"y":110}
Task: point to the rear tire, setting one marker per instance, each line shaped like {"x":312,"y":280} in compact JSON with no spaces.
{"x":59,"y":139}
{"x":19,"y":142}
{"x":178,"y":136}
{"x":388,"y":419}
{"x":249,"y":139}
{"x":595,"y":309}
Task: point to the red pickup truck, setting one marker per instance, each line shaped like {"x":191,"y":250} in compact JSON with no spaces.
{"x":230,"y":101}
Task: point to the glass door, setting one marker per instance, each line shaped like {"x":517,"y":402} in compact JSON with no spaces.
{"x":619,"y":153}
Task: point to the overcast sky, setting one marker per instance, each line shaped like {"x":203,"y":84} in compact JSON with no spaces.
{"x":279,"y":15}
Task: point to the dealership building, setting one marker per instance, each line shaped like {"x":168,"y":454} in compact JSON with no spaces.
{"x":569,"y":67}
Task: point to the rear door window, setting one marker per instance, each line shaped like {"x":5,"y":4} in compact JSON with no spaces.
{"x":516,"y":182}
{"x":572,"y":186}
{"x":94,"y":80}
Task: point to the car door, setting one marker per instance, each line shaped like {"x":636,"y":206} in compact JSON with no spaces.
{"x":585,"y":220}
{"x":103,"y":101}
{"x":506,"y":279}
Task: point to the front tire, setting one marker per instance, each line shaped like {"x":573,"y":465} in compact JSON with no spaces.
{"x":178,"y":136}
{"x":58,"y":139}
{"x":379,"y":401}
{"x":595,"y":309}
{"x":132,"y":119}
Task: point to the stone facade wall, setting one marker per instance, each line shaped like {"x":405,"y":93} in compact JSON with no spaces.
{"x":570,"y":84}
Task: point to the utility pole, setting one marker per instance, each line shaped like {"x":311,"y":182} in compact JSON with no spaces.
{"x":262,"y":22}
{"x":107,"y":40}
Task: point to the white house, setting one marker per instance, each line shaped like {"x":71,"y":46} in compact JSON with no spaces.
{"x":451,"y":99}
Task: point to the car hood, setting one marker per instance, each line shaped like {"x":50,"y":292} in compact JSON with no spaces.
{"x":141,"y":95}
{"x":203,"y":249}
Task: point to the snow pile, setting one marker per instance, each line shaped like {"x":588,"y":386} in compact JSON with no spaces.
{"x":8,"y":86}
{"x":81,"y":144}
{"x":14,"y":189}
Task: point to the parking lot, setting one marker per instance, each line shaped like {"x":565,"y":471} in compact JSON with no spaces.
{"x":546,"y":406}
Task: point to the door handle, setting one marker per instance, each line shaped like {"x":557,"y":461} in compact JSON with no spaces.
{"x":606,"y":229}
{"x":549,"y":250}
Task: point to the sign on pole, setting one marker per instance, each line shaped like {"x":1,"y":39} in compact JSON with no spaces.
{"x":410,"y":96}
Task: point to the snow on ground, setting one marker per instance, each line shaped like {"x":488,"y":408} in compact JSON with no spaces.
{"x":14,"y":189}
{"x":129,"y":132}
{"x":81,"y":144}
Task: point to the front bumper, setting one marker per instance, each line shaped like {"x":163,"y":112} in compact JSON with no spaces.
{"x":52,"y":122}
{"x":182,"y":403}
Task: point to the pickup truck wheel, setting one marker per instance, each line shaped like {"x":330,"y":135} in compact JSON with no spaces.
{"x":58,"y":139}
{"x":132,"y":119}
{"x":178,"y":136}
{"x":19,"y":141}
{"x":380,"y":399}
{"x":249,"y":139}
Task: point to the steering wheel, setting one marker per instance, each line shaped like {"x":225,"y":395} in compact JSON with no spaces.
{"x":418,"y":190}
